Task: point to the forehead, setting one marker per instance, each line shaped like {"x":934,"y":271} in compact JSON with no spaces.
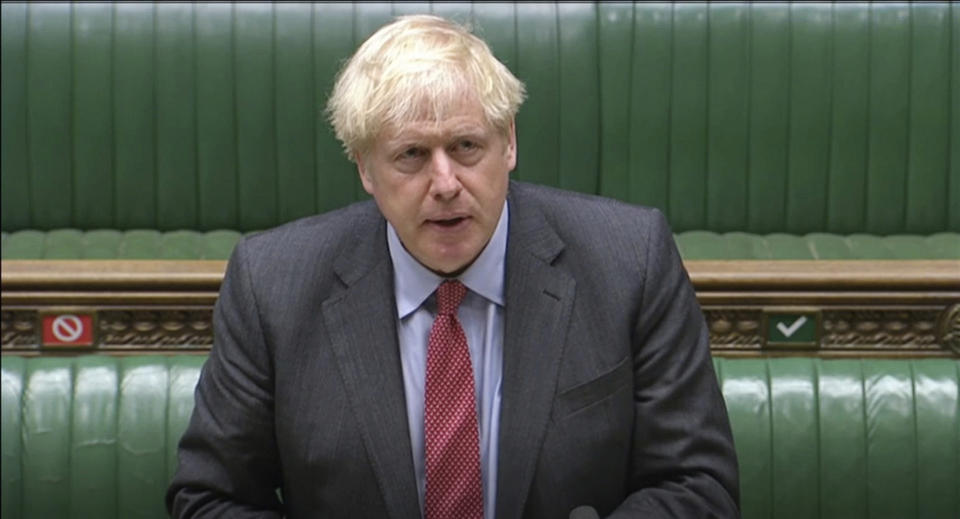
{"x":464,"y":117}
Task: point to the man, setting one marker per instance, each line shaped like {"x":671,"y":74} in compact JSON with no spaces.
{"x":462,"y":346}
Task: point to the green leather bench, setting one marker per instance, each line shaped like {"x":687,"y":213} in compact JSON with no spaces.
{"x":763,"y":131}
{"x":694,"y":245}
{"x":96,"y":436}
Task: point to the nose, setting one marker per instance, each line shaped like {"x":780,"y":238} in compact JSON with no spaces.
{"x":444,"y":183}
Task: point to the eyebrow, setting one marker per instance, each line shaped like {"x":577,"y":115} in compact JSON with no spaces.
{"x":465,"y":127}
{"x":409,"y":137}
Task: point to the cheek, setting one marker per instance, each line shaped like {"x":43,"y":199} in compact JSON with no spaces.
{"x":400,"y":202}
{"x":497,"y":181}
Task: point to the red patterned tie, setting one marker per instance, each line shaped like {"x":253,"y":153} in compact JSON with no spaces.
{"x":454,"y":489}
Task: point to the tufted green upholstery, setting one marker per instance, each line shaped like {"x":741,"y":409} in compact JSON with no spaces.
{"x":760,"y":118}
{"x":701,"y":245}
{"x":693,"y":245}
{"x":845,"y":438}
{"x":112,"y":244}
{"x":96,"y":436}
{"x":92,"y":436}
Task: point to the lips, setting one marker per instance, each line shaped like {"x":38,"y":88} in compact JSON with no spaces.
{"x":447,"y":222}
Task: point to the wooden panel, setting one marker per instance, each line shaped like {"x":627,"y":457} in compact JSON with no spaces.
{"x":862,"y":308}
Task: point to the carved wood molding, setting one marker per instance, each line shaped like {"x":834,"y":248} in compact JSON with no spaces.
{"x":166,"y":328}
{"x":126,"y":329}
{"x":843,"y":330}
{"x":849,"y":308}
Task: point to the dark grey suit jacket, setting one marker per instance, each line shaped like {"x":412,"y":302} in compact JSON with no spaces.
{"x":609,"y":397}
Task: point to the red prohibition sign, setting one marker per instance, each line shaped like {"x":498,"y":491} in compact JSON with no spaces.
{"x":67,"y":328}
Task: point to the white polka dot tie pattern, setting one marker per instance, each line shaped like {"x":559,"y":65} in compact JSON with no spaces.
{"x":454,"y":488}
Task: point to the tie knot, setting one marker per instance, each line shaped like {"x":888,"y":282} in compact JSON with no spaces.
{"x":449,"y":296}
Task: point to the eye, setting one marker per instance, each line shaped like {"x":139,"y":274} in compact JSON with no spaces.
{"x":465,"y":146}
{"x":410,"y":159}
{"x":410,"y":153}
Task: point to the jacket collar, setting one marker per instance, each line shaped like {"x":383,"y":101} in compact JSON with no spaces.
{"x":539,"y":298}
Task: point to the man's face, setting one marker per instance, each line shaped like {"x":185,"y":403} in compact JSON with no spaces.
{"x":442,"y":184}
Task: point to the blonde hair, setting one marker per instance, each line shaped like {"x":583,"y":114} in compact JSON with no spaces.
{"x":415,"y":64}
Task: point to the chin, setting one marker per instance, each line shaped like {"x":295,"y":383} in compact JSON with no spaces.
{"x":450,"y":260}
{"x":449,"y":267}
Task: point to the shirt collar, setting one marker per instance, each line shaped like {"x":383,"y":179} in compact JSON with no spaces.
{"x":413,"y":283}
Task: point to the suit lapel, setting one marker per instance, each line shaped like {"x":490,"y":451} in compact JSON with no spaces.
{"x":362,"y":324}
{"x":538,"y":304}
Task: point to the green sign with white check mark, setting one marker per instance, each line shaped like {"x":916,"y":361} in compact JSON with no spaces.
{"x":792,"y":329}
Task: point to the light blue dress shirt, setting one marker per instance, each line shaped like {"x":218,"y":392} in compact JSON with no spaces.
{"x":481,"y":315}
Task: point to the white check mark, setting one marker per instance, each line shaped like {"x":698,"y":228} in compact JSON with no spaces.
{"x":787,"y":331}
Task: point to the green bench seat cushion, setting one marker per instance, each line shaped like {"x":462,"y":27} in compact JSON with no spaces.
{"x":113,"y":244}
{"x":694,"y":245}
{"x":96,"y":436}
{"x":705,"y":245}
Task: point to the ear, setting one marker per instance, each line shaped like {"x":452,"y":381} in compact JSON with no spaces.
{"x":512,"y":146}
{"x":365,"y":174}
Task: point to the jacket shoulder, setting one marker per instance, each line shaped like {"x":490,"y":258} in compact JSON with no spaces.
{"x":580,"y":216}
{"x":309,"y":246}
{"x":314,"y":235}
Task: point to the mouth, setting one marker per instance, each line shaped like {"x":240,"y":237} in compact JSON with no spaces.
{"x":447,"y":223}
{"x":450,"y":222}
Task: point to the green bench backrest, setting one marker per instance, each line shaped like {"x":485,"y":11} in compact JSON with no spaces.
{"x":693,"y":245}
{"x":96,"y":436}
{"x":762,"y":118}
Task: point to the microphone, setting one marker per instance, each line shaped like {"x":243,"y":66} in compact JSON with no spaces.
{"x":584,"y":512}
